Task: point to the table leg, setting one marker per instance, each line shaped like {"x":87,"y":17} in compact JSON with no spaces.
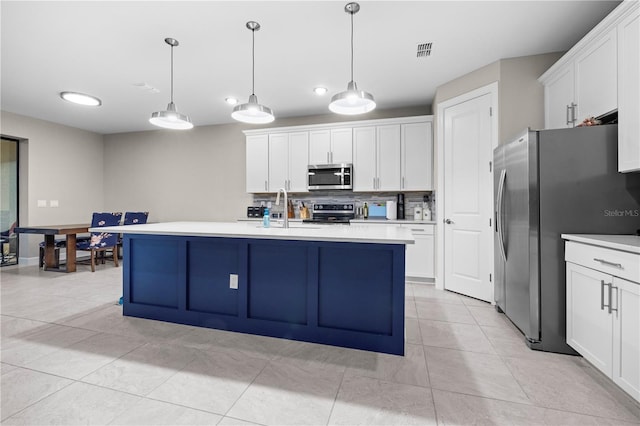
{"x":50,"y":260}
{"x":71,"y":252}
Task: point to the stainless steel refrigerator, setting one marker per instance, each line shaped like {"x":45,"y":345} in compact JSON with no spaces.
{"x":547,"y":183}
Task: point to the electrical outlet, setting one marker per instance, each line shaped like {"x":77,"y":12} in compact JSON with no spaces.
{"x":233,"y":281}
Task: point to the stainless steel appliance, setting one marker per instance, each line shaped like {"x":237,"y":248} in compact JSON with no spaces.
{"x":332,"y":213}
{"x":547,"y":183}
{"x":330,"y":176}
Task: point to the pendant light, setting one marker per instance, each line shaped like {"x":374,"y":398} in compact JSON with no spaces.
{"x":252,"y":112}
{"x":352,"y":101}
{"x":171,"y":118}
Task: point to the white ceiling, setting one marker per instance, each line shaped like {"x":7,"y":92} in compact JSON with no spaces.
{"x":106,"y":48}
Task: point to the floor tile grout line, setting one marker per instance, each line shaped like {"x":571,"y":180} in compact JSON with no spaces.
{"x":335,"y":398}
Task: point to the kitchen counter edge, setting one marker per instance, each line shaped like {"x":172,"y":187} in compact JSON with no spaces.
{"x":628,"y":243}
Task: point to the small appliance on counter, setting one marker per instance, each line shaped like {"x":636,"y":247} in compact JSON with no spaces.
{"x":377,"y":211}
{"x":400,"y":207}
{"x":332,"y":213}
{"x":257,"y":212}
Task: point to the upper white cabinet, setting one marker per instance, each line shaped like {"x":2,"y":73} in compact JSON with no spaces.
{"x":376,"y":158}
{"x":388,"y":155}
{"x":257,"y":163}
{"x":584,"y":87}
{"x":330,"y":146}
{"x":629,"y":92}
{"x":416,"y":156}
{"x":288,"y":154}
{"x":598,"y":75}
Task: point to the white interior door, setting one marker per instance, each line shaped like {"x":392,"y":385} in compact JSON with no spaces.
{"x":468,"y":195}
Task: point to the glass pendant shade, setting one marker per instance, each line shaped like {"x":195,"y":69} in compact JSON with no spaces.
{"x":352,"y":101}
{"x":171,"y":119}
{"x":252,"y":112}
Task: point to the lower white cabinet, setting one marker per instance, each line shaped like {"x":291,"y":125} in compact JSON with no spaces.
{"x":603,"y":311}
{"x":420,"y":257}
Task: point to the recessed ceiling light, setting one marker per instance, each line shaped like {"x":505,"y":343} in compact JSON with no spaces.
{"x":320,"y":90}
{"x":80,"y":98}
{"x":231,"y":101}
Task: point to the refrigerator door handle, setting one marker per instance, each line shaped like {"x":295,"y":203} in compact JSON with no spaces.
{"x":499,"y":221}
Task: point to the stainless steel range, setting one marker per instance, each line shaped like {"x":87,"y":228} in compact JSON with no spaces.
{"x":332,"y":213}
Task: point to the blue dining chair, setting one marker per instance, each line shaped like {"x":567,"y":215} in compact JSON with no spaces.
{"x":132,"y":218}
{"x":101,"y":242}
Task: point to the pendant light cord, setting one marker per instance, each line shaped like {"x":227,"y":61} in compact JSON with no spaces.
{"x":253,"y":61}
{"x":351,"y":45}
{"x":172,"y":74}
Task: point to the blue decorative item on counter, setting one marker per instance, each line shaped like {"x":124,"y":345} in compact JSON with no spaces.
{"x":266,"y":221}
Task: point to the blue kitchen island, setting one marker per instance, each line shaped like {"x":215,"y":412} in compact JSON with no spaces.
{"x":335,"y":285}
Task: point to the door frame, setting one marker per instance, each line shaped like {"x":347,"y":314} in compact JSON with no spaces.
{"x":491,"y":89}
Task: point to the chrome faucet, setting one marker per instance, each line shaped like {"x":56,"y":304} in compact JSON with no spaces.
{"x":285,"y":213}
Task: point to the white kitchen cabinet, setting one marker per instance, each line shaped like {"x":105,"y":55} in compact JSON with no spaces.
{"x":331,"y":146}
{"x":584,"y":87}
{"x":603,"y":310}
{"x":376,"y":158}
{"x":629,"y":92}
{"x":416,"y":156}
{"x":420,"y":257}
{"x":596,"y":78}
{"x":559,"y":105}
{"x":288,"y":153}
{"x":257,"y":163}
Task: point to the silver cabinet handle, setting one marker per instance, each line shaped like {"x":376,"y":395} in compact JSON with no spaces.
{"x":402,"y":182}
{"x":448,"y":221}
{"x":606,"y":262}
{"x":568,"y":116}
{"x":602,"y":304}
{"x":573,"y":112}
{"x":611,"y":308}
{"x":602,"y":295}
{"x":266,"y":188}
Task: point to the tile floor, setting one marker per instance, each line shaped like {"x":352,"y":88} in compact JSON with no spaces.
{"x":70,"y":357}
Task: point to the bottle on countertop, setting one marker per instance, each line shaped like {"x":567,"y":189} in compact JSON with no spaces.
{"x":290,"y":212}
{"x":365,"y":211}
{"x":266,"y":220}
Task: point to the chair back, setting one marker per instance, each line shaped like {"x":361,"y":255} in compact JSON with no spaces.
{"x":135,"y":218}
{"x":104,"y":239}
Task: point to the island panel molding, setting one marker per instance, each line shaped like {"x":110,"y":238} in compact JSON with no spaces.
{"x":336,"y":293}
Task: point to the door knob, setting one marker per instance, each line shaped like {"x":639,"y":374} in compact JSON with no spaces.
{"x":448,"y":221}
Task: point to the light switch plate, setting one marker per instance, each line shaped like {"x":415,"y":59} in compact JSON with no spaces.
{"x":42,"y":203}
{"x":53,"y":203}
{"x":233,"y":281}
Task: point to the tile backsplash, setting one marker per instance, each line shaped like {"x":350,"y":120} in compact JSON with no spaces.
{"x":412,"y":199}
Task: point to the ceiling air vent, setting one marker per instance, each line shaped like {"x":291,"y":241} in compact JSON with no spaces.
{"x":424,"y":50}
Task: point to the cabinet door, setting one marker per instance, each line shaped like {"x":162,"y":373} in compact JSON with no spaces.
{"x":388,"y":154}
{"x":278,"y":161}
{"x":558,"y":97}
{"x":597,"y":78}
{"x":319,"y":146}
{"x":257,"y":163}
{"x":364,"y":159}
{"x":298,"y":159}
{"x":420,"y":256}
{"x":417,"y":157}
{"x":629,"y":93}
{"x":589,"y":325}
{"x":341,"y":146}
{"x":626,"y":336}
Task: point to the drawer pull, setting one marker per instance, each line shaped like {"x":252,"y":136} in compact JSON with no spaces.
{"x":606,"y":262}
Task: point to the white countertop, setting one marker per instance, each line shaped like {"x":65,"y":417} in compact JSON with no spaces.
{"x":630,"y":243}
{"x":358,"y":221}
{"x":296,"y":231}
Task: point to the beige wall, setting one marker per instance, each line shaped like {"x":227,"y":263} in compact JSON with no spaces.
{"x":193,"y":175}
{"x":64,"y":164}
{"x":521,"y":103}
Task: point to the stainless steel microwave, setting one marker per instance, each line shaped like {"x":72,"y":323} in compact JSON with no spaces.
{"x":330,"y":176}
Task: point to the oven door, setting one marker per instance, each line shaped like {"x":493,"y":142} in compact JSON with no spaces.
{"x":330,"y":176}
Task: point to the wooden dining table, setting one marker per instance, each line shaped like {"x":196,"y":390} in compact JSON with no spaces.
{"x":70,"y":231}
